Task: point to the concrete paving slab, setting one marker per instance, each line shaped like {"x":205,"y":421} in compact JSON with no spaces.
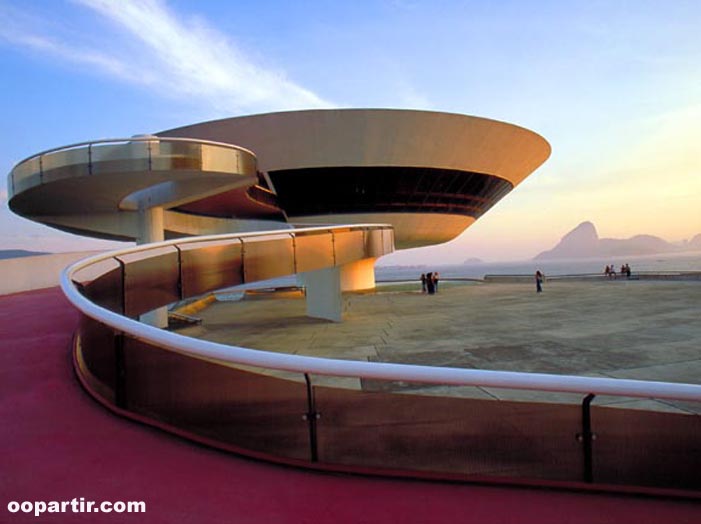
{"x":624,"y":329}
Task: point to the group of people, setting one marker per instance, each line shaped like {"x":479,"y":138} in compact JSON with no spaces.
{"x":610,"y":271}
{"x":429,"y":283}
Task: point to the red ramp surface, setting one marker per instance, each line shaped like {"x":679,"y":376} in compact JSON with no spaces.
{"x":59,"y":444}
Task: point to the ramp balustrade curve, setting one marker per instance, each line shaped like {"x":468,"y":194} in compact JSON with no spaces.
{"x":87,"y":187}
{"x":230,"y":397}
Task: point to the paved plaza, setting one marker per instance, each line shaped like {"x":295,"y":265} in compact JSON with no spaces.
{"x":648,"y":330}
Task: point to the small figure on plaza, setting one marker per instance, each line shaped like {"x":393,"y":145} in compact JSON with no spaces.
{"x":539,"y":278}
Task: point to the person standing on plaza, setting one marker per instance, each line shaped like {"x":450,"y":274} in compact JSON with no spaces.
{"x":423,"y":282}
{"x":539,"y":277}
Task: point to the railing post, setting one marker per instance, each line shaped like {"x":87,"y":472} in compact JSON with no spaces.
{"x":180,"y":271}
{"x":123,"y":291}
{"x":311,"y":416}
{"x":586,"y":437}
{"x":243,"y":260}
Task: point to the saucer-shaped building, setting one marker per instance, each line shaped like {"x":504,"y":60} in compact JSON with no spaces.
{"x":428,"y":174}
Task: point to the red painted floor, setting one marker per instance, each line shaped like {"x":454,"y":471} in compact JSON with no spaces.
{"x":56,"y":443}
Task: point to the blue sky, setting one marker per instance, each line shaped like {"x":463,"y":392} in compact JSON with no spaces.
{"x":614,"y":86}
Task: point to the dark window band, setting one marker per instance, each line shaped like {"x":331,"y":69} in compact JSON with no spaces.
{"x":377,"y":189}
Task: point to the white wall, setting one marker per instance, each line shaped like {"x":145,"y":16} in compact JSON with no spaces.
{"x":35,"y":272}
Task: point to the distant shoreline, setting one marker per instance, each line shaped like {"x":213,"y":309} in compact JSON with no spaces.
{"x":20,"y":253}
{"x":673,"y":276}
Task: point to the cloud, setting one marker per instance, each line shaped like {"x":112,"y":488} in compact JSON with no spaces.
{"x":103,"y":63}
{"x":184,"y":57}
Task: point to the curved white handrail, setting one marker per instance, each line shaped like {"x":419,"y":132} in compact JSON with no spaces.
{"x":134,"y":139}
{"x":226,"y":354}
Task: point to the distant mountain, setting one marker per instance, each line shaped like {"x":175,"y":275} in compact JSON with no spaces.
{"x":16,"y":253}
{"x":637,"y":245}
{"x":584,"y":242}
{"x":695,"y":243}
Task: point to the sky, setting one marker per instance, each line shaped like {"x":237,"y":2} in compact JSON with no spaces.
{"x":614,"y":86}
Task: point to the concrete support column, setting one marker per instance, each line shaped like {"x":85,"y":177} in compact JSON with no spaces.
{"x":324,"y":287}
{"x":323,"y":293}
{"x":150,"y":225}
{"x":151,"y":230}
{"x":359,"y":275}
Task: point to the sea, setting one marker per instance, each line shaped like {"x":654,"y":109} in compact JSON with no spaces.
{"x":660,"y":263}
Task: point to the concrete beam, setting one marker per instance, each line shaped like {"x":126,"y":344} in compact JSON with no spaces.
{"x":151,"y":230}
{"x":325,"y":287}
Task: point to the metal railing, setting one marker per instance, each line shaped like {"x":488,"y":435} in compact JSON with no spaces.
{"x":227,"y":354}
{"x":90,"y":146}
{"x":304,"y":423}
{"x":637,"y":275}
{"x":153,"y":138}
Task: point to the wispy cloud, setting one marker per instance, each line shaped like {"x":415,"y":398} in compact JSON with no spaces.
{"x":184,"y":56}
{"x":101,"y":62}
